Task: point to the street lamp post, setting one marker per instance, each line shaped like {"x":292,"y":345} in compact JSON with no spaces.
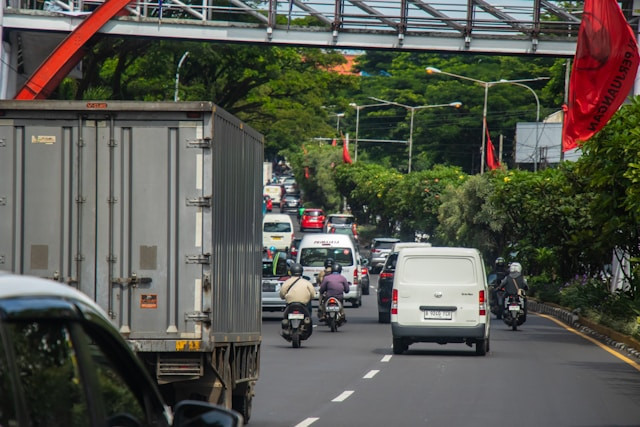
{"x":358,"y":108}
{"x":487,"y":85}
{"x":175,"y":93}
{"x":413,"y":110}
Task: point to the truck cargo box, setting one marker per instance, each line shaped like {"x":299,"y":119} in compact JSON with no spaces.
{"x":152,"y":209}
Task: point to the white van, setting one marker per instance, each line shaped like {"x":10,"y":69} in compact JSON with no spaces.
{"x":275,"y":191}
{"x":314,"y":249}
{"x":277,"y":231}
{"x":400,"y":245}
{"x":440,"y":295}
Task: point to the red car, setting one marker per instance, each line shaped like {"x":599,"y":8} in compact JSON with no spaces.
{"x":312,"y":219}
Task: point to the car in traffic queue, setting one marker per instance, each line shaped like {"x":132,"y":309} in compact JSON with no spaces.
{"x":277,"y":231}
{"x":293,"y":250}
{"x":365,"y":279}
{"x":385,"y":279}
{"x":290,"y":185}
{"x":312,"y":219}
{"x":340,"y":221}
{"x":316,"y":248}
{"x":350,"y":231}
{"x":290,"y":203}
{"x":275,"y":271}
{"x":275,"y":191}
{"x":378,"y":251}
{"x":63,"y":363}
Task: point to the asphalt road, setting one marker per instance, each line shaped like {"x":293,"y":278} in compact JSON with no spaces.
{"x":541,"y":375}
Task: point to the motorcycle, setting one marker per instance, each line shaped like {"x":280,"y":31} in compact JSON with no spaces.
{"x":514,"y":311}
{"x":497,"y":301}
{"x":334,"y":316}
{"x":296,"y":325}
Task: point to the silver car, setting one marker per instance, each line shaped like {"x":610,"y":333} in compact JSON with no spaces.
{"x":378,"y":251}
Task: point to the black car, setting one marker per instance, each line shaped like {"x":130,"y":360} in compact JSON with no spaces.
{"x":63,"y":363}
{"x":290,"y":203}
{"x":385,"y":287}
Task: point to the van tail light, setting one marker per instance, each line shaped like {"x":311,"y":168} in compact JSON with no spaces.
{"x":355,"y":276}
{"x":394,"y":301}
{"x":386,"y":275}
{"x":482,"y":303}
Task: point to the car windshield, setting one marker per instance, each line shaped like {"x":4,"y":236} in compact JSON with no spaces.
{"x":313,"y":213}
{"x":341,"y":220}
{"x":383,"y":245}
{"x":277,"y":227}
{"x":315,"y":257}
{"x":346,"y":231}
{"x":269,"y":271}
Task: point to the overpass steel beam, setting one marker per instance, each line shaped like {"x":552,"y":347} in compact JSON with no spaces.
{"x":252,"y":33}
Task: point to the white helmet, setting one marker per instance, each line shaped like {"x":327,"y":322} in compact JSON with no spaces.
{"x":515,"y":267}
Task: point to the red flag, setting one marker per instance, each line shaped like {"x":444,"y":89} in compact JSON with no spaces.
{"x":603,"y":71}
{"x":334,"y":142}
{"x":492,"y":163}
{"x":306,"y":172}
{"x":346,"y":157}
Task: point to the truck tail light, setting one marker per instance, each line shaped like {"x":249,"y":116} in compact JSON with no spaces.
{"x":394,"y":302}
{"x":482,"y":303}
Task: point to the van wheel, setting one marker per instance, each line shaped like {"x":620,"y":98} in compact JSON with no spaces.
{"x":384,"y":317}
{"x":398,"y":346}
{"x":482,"y":346}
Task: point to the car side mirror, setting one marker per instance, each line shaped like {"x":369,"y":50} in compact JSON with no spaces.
{"x":192,"y":413}
{"x":364,"y":261}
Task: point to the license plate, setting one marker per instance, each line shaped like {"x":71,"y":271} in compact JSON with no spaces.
{"x":333,"y":308}
{"x":514,"y":308}
{"x":276,"y":237}
{"x":437,"y":315}
{"x":296,"y":316}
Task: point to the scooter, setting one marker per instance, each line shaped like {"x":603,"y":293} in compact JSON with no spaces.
{"x":514,"y":313}
{"x":334,"y":316}
{"x":296,"y":325}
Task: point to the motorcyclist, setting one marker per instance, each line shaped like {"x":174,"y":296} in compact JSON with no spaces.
{"x":515,"y":283}
{"x":297,"y":288}
{"x":328,"y":264}
{"x":500,"y":269}
{"x":333,"y":285}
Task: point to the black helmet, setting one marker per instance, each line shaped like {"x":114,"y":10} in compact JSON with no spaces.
{"x":336,"y":268}
{"x":296,"y":269}
{"x":500,"y":262}
{"x":328,"y":263}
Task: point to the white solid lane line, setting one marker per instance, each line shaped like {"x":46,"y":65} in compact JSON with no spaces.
{"x":343,"y":396}
{"x":386,"y":358}
{"x":371,"y":373}
{"x":307,"y":422}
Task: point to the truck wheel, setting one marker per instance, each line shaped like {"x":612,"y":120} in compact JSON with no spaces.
{"x":242,"y":404}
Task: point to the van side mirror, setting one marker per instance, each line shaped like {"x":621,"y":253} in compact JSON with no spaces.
{"x":364,"y":261}
{"x":189,"y":413}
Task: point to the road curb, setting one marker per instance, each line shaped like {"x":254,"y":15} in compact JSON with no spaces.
{"x":603,"y":334}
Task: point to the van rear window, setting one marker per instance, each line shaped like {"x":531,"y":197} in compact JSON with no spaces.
{"x":438,"y":271}
{"x":315,"y":257}
{"x":277,"y":227}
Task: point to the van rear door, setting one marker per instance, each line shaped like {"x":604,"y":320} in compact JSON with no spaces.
{"x":437,"y":291}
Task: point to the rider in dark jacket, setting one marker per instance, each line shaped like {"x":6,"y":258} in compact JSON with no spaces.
{"x":333,"y":285}
{"x":515,"y":284}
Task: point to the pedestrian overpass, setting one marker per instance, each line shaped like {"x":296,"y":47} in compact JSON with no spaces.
{"x":47,"y":36}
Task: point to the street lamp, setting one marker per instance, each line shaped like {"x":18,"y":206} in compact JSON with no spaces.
{"x":413,"y":110}
{"x":487,"y":85}
{"x":175,"y":93}
{"x":358,"y":108}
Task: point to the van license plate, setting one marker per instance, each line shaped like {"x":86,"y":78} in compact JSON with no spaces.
{"x":437,"y":315}
{"x":276,"y":237}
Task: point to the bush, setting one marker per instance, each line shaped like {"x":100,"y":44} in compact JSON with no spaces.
{"x":544,"y":289}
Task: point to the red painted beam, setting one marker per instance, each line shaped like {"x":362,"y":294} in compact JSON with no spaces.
{"x":68,"y":53}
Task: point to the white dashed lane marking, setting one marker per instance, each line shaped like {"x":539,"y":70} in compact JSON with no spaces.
{"x":371,"y":373}
{"x":307,"y":422}
{"x":386,"y":358}
{"x":343,"y":396}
